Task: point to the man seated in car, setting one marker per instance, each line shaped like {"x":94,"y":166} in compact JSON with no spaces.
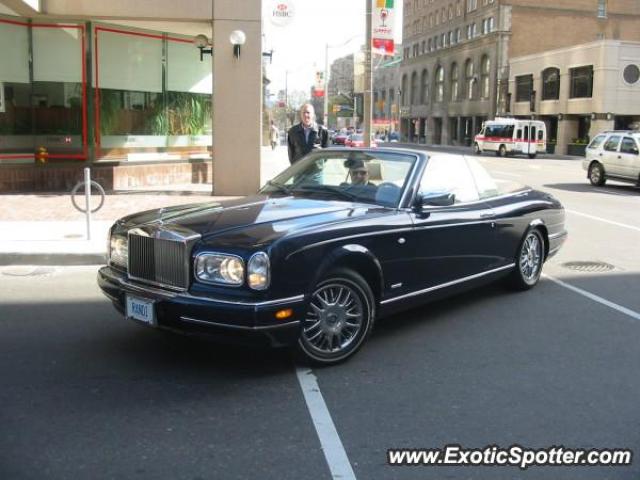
{"x":359,"y":183}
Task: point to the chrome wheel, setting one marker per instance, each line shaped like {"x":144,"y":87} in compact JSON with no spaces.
{"x":530,"y":262}
{"x":334,"y":318}
{"x":596,"y":174}
{"x":339,"y":317}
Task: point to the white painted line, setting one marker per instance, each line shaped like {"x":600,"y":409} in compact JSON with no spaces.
{"x":330,"y":442}
{"x":596,"y":298}
{"x":498,"y":172}
{"x":631,"y":227}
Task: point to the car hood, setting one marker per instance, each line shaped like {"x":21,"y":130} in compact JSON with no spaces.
{"x":255,"y":220}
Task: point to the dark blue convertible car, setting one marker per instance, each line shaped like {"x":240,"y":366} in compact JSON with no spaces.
{"x":338,"y":240}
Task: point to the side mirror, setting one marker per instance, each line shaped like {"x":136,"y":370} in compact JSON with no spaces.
{"x":435,"y":199}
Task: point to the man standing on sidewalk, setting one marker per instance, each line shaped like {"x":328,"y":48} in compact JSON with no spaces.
{"x":306,"y":135}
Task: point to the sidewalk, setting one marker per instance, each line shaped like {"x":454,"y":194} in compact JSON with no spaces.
{"x":45,"y":229}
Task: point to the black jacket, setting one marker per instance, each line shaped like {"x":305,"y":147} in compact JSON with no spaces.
{"x":298,"y":147}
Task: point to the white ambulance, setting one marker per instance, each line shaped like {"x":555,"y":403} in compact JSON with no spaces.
{"x":506,"y":136}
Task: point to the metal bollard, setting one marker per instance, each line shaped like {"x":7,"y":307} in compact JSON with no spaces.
{"x":87,"y":199}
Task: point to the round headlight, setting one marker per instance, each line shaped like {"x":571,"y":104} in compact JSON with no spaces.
{"x":258,"y":271}
{"x":232,"y":270}
{"x":119,"y":250}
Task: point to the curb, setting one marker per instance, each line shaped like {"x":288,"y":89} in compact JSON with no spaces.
{"x":52,"y":259}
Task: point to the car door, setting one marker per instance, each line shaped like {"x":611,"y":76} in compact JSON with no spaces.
{"x":450,"y":242}
{"x":629,"y":158}
{"x":609,"y":155}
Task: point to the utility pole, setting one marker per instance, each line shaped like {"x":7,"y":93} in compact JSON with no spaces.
{"x":286,"y":103}
{"x":368,"y":80}
{"x":326,"y":86}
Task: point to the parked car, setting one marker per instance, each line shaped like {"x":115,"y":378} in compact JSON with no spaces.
{"x":339,"y":138}
{"x":394,"y":137}
{"x":357,"y":141}
{"x":314,"y":258}
{"x":615,"y":155}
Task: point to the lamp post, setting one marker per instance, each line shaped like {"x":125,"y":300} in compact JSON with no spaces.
{"x":399,"y":93}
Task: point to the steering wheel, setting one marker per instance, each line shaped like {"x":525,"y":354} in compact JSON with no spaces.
{"x":388,"y":193}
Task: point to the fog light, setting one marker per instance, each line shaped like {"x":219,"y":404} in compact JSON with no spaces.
{"x":283,"y":314}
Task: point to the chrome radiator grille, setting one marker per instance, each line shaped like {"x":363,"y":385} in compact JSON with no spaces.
{"x":158,"y":261}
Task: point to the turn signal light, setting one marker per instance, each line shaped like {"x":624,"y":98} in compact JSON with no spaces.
{"x":283,"y":314}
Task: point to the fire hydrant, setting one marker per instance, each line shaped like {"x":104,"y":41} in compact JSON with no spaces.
{"x":42,"y":155}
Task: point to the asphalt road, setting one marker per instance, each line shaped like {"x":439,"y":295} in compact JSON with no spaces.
{"x":86,"y":394}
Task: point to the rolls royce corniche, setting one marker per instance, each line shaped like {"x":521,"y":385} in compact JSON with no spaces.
{"x":335,"y":242}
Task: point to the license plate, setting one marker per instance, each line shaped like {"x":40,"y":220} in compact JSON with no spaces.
{"x":141,"y":310}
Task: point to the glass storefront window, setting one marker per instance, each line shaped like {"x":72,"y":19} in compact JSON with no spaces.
{"x":41,"y":78}
{"x":158,"y":97}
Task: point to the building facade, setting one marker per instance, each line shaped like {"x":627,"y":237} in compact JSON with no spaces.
{"x":118,"y":87}
{"x":386,"y":78}
{"x":458,"y":58}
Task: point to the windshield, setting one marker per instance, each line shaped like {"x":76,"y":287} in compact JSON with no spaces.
{"x":378,"y":178}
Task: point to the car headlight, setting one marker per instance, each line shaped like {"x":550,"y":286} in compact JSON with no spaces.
{"x":219,"y":268}
{"x":258,"y":271}
{"x":119,"y":250}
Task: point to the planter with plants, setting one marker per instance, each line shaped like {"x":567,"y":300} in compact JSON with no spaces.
{"x":577,"y":147}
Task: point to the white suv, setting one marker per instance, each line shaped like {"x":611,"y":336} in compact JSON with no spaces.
{"x":615,"y":155}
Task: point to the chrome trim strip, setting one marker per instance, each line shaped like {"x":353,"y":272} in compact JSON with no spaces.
{"x":239,"y":327}
{"x":349,"y":237}
{"x":448,"y":225}
{"x":448,"y":284}
{"x":171,"y":295}
{"x":411,"y":182}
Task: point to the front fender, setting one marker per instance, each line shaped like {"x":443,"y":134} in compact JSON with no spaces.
{"x":354,"y":257}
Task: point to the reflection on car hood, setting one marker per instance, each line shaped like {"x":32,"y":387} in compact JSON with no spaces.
{"x":256,"y":219}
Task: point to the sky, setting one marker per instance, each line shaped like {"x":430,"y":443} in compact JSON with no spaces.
{"x":299,"y":47}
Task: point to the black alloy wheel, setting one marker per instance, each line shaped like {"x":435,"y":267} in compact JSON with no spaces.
{"x":529,"y":261}
{"x":502,"y":151}
{"x":339,"y":318}
{"x":596,"y":174}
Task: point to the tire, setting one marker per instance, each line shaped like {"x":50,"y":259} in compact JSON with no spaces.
{"x":476,"y":149}
{"x":339,"y":318}
{"x":532,"y":155}
{"x":529,"y":261}
{"x":596,"y":174}
{"x":502,"y":151}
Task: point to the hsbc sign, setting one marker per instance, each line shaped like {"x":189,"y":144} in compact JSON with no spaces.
{"x":282,"y":12}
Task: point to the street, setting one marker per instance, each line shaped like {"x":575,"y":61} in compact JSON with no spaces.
{"x":87,"y":394}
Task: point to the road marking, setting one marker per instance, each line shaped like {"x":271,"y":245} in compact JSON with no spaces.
{"x":631,"y":227}
{"x":331,"y":444}
{"x":595,"y":298}
{"x":498,"y":172}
